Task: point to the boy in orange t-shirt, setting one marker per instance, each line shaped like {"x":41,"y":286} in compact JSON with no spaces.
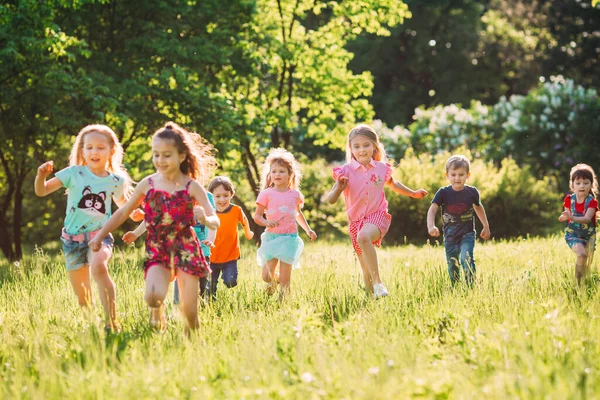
{"x":226,"y":252}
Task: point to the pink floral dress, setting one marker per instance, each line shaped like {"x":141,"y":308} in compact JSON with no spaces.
{"x":171,"y":241}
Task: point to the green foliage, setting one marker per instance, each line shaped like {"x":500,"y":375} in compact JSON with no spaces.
{"x":449,"y":127}
{"x":516,"y":203}
{"x":552,"y":128}
{"x":524,"y":331}
{"x":328,"y":220}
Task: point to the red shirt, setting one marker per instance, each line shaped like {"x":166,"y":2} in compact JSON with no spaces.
{"x":579,"y":207}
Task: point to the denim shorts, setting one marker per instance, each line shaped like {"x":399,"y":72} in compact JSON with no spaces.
{"x":77,"y":253}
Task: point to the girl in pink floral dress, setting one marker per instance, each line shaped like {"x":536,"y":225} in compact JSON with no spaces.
{"x":172,"y":248}
{"x":361,"y":180}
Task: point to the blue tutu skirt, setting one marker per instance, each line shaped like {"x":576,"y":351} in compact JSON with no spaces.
{"x":286,"y":247}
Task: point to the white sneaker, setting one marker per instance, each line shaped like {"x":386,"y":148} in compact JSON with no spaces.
{"x":379,"y":290}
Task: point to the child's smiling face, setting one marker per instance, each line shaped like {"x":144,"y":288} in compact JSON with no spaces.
{"x":280,"y":176}
{"x":362,"y":149}
{"x":96,"y":150}
{"x":222,"y":197}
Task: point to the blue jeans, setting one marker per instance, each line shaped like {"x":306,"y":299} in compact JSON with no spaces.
{"x":461,"y":252}
{"x":229,"y":271}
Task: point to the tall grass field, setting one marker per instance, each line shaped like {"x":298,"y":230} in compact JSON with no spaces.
{"x":525,"y":331}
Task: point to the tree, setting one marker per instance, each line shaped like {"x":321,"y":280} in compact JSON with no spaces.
{"x":299,"y":89}
{"x":41,"y":91}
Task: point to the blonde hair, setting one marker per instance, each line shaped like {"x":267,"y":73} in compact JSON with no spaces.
{"x":584,"y":171}
{"x":115,"y":161}
{"x":221,"y":181}
{"x":285,"y":159}
{"x":199,"y":162}
{"x":370,"y":134}
{"x":458,"y":161}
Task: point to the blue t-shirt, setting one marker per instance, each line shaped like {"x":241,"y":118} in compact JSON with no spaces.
{"x":201,"y":230}
{"x":457,"y":211}
{"x":89,"y":198}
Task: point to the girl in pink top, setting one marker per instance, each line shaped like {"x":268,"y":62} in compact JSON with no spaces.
{"x":278,"y":207}
{"x":361,"y":180}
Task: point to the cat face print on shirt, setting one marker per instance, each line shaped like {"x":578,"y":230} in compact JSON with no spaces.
{"x":92,"y":203}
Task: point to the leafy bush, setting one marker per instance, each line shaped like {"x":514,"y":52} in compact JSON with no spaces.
{"x":444,"y":128}
{"x":554,"y":127}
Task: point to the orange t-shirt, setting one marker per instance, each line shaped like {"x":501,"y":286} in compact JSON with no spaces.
{"x":227,"y":241}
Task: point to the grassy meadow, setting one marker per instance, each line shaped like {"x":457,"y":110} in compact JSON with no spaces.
{"x":524,"y":331}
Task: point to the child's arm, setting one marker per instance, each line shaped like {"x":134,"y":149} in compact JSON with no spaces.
{"x":399,"y":188}
{"x":302,"y":222}
{"x":131,"y":236}
{"x":480,"y":211}
{"x":206,"y":216}
{"x":120,"y":215}
{"x":43,"y":187}
{"x":247,"y":232}
{"x":431,"y":228}
{"x":211,"y":234}
{"x":589,"y":216}
{"x":340,"y":185}
{"x":137,"y":214}
{"x":260,"y":220}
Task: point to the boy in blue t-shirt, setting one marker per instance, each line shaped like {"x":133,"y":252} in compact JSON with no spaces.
{"x":458,"y":202}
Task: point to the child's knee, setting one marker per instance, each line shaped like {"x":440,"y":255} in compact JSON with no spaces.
{"x":230,"y":282}
{"x":153,"y":299}
{"x":363,"y":239}
{"x":267,"y":275}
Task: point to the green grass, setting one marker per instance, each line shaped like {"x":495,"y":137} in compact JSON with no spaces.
{"x":524,"y":331}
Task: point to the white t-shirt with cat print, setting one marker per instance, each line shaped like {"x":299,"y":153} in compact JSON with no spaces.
{"x":89,"y":198}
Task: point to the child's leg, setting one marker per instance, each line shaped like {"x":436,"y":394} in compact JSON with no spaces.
{"x":270,"y":276}
{"x":230,"y":274}
{"x":80,"y":280}
{"x":467,"y":244}
{"x":366,"y":274}
{"x":157,"y":286}
{"x":452,"y":256}
{"x":106,"y":286}
{"x":581,"y":264}
{"x":268,"y":271}
{"x":188,"y":287}
{"x":285,"y":276}
{"x":366,"y":236}
{"x":214,"y":279}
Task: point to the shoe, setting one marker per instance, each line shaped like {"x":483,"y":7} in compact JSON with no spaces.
{"x":379,"y":290}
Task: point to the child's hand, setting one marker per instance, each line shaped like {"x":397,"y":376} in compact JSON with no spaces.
{"x":250,"y":235}
{"x":45,"y":169}
{"x":435,"y":232}
{"x":95,"y":244}
{"x":419,"y":194}
{"x":312,"y":235}
{"x":129,"y":237}
{"x":485,"y":233}
{"x":342,"y":182}
{"x":566,"y":215}
{"x":208,"y":243}
{"x":200,"y":214}
{"x":137,"y":215}
{"x":271,"y":223}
